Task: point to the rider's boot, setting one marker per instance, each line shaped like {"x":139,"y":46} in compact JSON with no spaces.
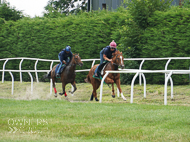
{"x":96,"y":76}
{"x":57,"y":75}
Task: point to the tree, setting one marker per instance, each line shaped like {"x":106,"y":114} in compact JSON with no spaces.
{"x":8,"y":13}
{"x":65,"y":6}
{"x":141,"y":10}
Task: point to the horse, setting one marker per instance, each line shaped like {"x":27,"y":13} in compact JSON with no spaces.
{"x":67,"y":75}
{"x":117,"y":61}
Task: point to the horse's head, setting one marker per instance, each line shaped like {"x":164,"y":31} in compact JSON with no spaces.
{"x":77,"y":60}
{"x":118,"y":59}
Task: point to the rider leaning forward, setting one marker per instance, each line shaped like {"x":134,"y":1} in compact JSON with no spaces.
{"x":65,"y":56}
{"x":106,"y":54}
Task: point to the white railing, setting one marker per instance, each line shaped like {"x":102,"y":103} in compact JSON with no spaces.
{"x":35,"y":69}
{"x":35,"y":66}
{"x":139,"y":71}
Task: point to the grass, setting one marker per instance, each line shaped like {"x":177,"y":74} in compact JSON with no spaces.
{"x":155,"y":93}
{"x":41,"y":117}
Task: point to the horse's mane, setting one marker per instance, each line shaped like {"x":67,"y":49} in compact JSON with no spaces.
{"x":116,"y":52}
{"x":73,"y":57}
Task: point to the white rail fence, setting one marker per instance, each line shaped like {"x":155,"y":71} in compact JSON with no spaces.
{"x":139,"y":72}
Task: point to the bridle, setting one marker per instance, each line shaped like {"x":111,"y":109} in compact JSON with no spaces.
{"x":77,"y":63}
{"x":75,"y":59}
{"x":116,"y":58}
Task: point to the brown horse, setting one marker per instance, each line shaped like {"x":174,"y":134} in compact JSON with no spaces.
{"x":117,"y":60}
{"x":67,"y":76}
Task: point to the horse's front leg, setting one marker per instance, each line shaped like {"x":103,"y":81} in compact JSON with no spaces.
{"x":109,"y":80}
{"x":63,"y":87}
{"x":113,"y":94}
{"x":118,"y":86}
{"x":75,"y":88}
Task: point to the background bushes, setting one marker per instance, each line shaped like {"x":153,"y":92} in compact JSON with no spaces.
{"x":86,"y":33}
{"x":164,"y":33}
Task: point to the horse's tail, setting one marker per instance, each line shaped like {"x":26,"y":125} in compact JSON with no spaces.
{"x":47,"y":75}
{"x":87,"y":79}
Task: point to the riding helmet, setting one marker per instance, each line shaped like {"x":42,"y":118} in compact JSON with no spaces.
{"x":113,"y":44}
{"x":68,"y":48}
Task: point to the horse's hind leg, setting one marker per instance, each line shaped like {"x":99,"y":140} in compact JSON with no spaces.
{"x":113,"y":94}
{"x":53,"y":80}
{"x":95,"y":85}
{"x":75,"y":88}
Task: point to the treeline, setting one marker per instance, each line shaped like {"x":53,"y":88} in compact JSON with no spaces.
{"x":86,"y":33}
{"x":163,"y":33}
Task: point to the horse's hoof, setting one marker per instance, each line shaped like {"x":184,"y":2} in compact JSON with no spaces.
{"x":61,"y":94}
{"x":113,"y":96}
{"x":55,"y":95}
{"x":124,"y":99}
{"x":96,"y":99}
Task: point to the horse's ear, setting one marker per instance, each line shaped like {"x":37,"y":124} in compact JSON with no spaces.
{"x":78,"y":54}
{"x":121,"y":52}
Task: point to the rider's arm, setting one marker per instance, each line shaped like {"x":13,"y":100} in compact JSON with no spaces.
{"x":105,"y":58}
{"x":63,"y":62}
{"x":71,"y":57}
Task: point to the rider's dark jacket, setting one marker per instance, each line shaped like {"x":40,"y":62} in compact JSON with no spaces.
{"x":64,"y":56}
{"x":108,"y":52}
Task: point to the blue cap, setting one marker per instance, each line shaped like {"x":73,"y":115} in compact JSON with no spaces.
{"x":68,"y":48}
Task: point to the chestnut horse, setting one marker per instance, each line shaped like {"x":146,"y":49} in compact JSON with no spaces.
{"x":67,"y":76}
{"x":117,"y":60}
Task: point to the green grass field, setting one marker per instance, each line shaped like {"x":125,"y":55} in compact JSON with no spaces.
{"x":41,"y":117}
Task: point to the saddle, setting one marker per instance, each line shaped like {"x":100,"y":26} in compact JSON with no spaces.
{"x":102,"y":67}
{"x":62,"y":68}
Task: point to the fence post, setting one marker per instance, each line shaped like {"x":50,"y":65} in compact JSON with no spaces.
{"x":3,"y":73}
{"x":35,"y":67}
{"x":140,"y":67}
{"x":132,"y":85}
{"x":101,"y":86}
{"x":20,"y":68}
{"x":165,"y":87}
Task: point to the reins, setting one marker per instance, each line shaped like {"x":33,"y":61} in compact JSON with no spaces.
{"x":74,"y":60}
{"x":116,"y":60}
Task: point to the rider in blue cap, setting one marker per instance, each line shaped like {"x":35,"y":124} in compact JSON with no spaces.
{"x":65,"y":56}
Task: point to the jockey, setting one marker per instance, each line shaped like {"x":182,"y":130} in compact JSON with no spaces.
{"x":65,"y":56}
{"x":106,"y":54}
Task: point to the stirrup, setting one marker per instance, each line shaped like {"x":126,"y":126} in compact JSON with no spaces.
{"x":58,"y":75}
{"x":97,"y":77}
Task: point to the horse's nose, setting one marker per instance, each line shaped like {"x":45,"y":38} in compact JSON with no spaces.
{"x":122,"y":66}
{"x":81,"y":64}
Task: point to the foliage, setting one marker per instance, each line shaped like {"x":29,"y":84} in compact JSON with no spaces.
{"x":141,"y":10}
{"x":9,"y":13}
{"x":186,"y":4}
{"x":130,"y":34}
{"x":168,"y":36}
{"x":86,"y":33}
{"x":164,"y":34}
{"x":64,"y":7}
